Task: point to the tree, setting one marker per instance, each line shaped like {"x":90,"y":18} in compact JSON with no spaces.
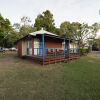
{"x":26,"y":29}
{"x":4,"y":29}
{"x":65,"y":28}
{"x":94,"y":29}
{"x":58,"y":31}
{"x":46,"y":21}
{"x":17,"y":27}
{"x":12,"y":37}
{"x":70,"y":30}
{"x":96,"y":44}
{"x":78,"y":31}
{"x":84,"y":32}
{"x":25,"y":20}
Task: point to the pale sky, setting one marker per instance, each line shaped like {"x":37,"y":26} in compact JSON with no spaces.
{"x":63,"y":10}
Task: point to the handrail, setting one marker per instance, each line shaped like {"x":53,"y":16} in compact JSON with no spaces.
{"x":53,"y":51}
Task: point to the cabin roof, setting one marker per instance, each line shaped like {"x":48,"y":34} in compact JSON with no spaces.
{"x":42,"y":32}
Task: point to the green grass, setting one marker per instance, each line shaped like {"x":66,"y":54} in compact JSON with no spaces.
{"x":24,"y":80}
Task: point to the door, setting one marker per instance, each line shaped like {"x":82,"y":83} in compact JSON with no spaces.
{"x":36,"y":46}
{"x":29,"y":47}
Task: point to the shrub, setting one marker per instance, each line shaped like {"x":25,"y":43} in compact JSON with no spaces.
{"x":84,"y":51}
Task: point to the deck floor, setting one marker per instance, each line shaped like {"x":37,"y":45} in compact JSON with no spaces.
{"x":51,"y":59}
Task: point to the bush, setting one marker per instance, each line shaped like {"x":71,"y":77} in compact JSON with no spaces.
{"x":84,"y":51}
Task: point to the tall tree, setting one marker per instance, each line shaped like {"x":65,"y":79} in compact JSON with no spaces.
{"x":11,"y":38}
{"x":4,"y":29}
{"x":25,"y":30}
{"x":25,"y":27}
{"x":96,"y":44}
{"x":16,"y":26}
{"x":25,"y":20}
{"x":79,"y":31}
{"x":46,"y":21}
{"x":70,"y":30}
{"x":94,"y":29}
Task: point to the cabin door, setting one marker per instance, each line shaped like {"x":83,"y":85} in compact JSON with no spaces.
{"x":36,"y":46}
{"x":29,"y":47}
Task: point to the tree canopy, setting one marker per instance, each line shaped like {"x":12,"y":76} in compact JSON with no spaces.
{"x":75,"y":30}
{"x":4,"y":29}
{"x":46,"y":21}
{"x":78,"y":31}
{"x":96,"y":44}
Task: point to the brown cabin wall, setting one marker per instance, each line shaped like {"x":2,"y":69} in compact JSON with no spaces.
{"x":19,"y":48}
{"x":53,"y":43}
{"x":50,"y":43}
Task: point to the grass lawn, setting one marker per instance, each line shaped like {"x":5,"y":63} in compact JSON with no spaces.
{"x":7,"y":53}
{"x":24,"y":80}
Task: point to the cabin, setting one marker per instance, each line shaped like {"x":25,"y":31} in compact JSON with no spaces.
{"x":45,"y":47}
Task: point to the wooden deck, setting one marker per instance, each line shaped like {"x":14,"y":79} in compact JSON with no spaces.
{"x":73,"y":56}
{"x":45,"y":61}
{"x":51,"y":59}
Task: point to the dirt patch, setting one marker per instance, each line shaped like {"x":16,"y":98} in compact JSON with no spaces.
{"x":94,"y":55}
{"x":12,"y":62}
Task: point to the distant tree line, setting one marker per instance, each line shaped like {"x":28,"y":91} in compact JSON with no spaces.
{"x":75,"y":30}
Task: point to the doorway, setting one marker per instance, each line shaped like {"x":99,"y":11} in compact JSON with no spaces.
{"x":29,"y":47}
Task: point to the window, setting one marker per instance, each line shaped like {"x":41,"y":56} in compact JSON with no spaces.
{"x":30,"y":44}
{"x":63,"y":45}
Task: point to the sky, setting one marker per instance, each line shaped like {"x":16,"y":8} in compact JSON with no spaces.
{"x":63,"y":10}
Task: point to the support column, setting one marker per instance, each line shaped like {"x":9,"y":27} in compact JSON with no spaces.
{"x":42,"y":46}
{"x":32,"y":46}
{"x":79,"y":47}
{"x":55,"y":52}
{"x":69,"y":48}
{"x":64,"y":46}
{"x":73,"y":47}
